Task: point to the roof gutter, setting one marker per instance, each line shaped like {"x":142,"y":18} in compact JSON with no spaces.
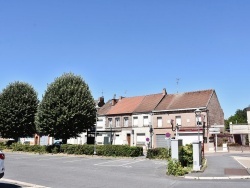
{"x":184,"y":109}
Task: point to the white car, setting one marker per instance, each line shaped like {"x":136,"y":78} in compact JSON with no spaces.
{"x":2,"y":157}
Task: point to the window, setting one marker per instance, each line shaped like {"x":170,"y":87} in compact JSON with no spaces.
{"x":125,"y":123}
{"x":117,"y":122}
{"x":145,"y":120}
{"x":178,"y":120}
{"x":159,"y":121}
{"x":140,"y":139}
{"x":135,"y":121}
{"x":110,"y":122}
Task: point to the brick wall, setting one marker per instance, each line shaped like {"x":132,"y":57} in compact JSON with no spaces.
{"x":215,"y":113}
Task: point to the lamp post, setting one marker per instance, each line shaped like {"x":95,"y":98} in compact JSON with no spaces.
{"x":96,"y":118}
{"x":198,"y":116}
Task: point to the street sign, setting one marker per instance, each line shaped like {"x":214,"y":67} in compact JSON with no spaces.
{"x":214,"y":130}
{"x":147,"y":139}
{"x":168,"y":135}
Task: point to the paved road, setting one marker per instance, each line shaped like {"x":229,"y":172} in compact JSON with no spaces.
{"x":233,"y":165}
{"x":56,"y":171}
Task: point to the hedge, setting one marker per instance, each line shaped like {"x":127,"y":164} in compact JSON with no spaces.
{"x":159,"y":153}
{"x":102,"y":150}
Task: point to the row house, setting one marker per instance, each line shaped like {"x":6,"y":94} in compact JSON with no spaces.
{"x":180,"y":108}
{"x":128,"y":120}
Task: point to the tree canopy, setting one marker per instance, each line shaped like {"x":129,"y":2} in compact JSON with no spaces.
{"x":67,"y":108}
{"x":239,"y":117}
{"x":18,"y":106}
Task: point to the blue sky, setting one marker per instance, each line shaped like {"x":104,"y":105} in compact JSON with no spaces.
{"x":130,"y":47}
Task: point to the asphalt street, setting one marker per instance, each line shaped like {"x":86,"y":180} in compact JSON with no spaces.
{"x":62,"y":171}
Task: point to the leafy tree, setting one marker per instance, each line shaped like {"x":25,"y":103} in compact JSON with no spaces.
{"x":66,"y":109}
{"x":18,"y":106}
{"x":239,"y":117}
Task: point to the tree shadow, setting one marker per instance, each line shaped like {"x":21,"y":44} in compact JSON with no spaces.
{"x":8,"y":185}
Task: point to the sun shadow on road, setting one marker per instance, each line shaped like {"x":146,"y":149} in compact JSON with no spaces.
{"x":8,"y":185}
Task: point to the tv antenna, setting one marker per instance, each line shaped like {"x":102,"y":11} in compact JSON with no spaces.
{"x":177,"y":82}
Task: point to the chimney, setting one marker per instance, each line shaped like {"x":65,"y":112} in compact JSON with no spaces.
{"x":114,"y":100}
{"x":101,"y":102}
{"x":164,"y":92}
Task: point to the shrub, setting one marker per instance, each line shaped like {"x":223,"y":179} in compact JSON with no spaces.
{"x":158,"y":153}
{"x":186,"y":155}
{"x":174,"y":168}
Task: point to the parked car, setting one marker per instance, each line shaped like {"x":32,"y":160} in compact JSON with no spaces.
{"x":2,"y":169}
{"x":57,"y":143}
{"x":26,"y":142}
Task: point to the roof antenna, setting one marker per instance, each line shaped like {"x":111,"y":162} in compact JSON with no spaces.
{"x":125,"y":93}
{"x":102,"y":93}
{"x":177,"y":82}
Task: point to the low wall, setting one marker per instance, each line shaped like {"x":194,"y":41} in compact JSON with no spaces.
{"x":239,"y":148}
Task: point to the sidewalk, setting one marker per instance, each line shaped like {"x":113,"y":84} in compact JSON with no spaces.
{"x":233,"y":165}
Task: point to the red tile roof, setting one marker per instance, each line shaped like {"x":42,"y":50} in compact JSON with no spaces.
{"x":126,"y":105}
{"x":194,"y":99}
{"x":106,"y":107}
{"x":149,"y":103}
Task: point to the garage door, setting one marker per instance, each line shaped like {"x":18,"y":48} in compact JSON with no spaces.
{"x":189,"y":138}
{"x":161,"y":142}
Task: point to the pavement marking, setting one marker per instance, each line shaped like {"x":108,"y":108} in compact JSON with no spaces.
{"x":72,"y":161}
{"x":20,"y":183}
{"x":51,"y":158}
{"x":108,"y":162}
{"x":122,"y":165}
{"x":245,"y":164}
{"x":217,"y":178}
{"x":132,"y":162}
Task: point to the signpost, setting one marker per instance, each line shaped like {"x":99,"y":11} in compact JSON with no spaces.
{"x":147,"y":140}
{"x":168,"y":135}
{"x":215,"y":130}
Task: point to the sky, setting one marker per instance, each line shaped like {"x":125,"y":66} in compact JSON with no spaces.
{"x":130,"y":47}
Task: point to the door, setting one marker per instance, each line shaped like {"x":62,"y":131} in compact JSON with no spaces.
{"x":106,"y":140}
{"x":128,"y":139}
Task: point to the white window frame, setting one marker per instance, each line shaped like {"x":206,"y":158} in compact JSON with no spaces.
{"x":145,"y":121}
{"x":135,"y":118}
{"x":178,"y":120}
{"x":110,"y":122}
{"x":159,"y":123}
{"x":125,"y":121}
{"x":117,"y":122}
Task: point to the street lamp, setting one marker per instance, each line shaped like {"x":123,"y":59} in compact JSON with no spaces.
{"x":96,"y":118}
{"x":198,"y":117}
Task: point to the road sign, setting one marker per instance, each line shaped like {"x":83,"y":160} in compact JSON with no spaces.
{"x":147,"y":139}
{"x":214,"y":130}
{"x":168,"y":135}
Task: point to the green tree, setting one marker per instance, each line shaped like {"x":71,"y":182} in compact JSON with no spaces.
{"x":18,"y":106}
{"x":66,"y":109}
{"x":239,"y":117}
